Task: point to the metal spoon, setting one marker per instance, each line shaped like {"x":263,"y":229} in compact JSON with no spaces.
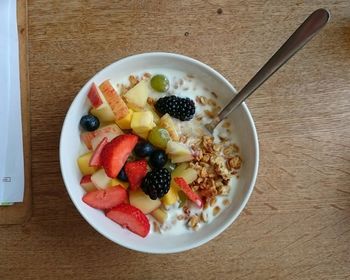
{"x":299,"y":38}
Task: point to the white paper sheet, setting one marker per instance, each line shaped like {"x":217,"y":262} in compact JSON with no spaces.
{"x":11,"y":144}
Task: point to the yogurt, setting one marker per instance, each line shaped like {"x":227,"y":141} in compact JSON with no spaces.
{"x":185,"y":85}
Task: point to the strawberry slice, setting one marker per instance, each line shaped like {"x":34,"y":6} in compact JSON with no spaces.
{"x":105,"y":199}
{"x":188,"y":191}
{"x":130,"y":217}
{"x":136,"y":171}
{"x":95,"y":159}
{"x":116,"y":152}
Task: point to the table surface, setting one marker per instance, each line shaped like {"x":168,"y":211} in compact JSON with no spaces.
{"x":296,"y":224}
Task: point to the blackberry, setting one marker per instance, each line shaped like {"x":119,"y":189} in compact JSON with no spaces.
{"x":156,"y":183}
{"x":177,"y":107}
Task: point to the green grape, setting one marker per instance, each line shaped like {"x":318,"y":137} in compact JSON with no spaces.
{"x":170,"y":166}
{"x":159,"y":137}
{"x":160,"y":83}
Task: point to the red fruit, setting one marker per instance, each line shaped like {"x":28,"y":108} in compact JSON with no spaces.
{"x":106,"y":131}
{"x":105,"y":199}
{"x":188,"y":191}
{"x":130,"y":217}
{"x":95,"y":159}
{"x":136,"y":171}
{"x":94,"y":96}
{"x":116,"y":152}
{"x":87,"y":184}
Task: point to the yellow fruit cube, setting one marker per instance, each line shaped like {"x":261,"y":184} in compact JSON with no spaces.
{"x":142,"y":122}
{"x":171,"y":196}
{"x":143,"y":135}
{"x":125,"y":123}
{"x":115,"y":182}
{"x":83,"y":163}
{"x":153,"y":111}
{"x":136,"y":97}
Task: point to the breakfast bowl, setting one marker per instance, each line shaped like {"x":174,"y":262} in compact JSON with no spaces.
{"x":187,"y":77}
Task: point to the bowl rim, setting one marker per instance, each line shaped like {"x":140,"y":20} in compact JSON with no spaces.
{"x":247,"y":195}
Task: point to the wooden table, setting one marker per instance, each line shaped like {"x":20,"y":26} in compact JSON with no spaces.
{"x":297,"y":222}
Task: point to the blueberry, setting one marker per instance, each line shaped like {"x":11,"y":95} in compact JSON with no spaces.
{"x":158,"y":159}
{"x":89,"y":122}
{"x":143,"y":149}
{"x":122,"y":175}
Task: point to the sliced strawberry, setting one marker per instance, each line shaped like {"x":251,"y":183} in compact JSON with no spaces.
{"x":87,"y":184}
{"x":136,"y":171}
{"x":105,"y":199}
{"x":188,"y":191}
{"x":116,"y":152}
{"x":130,"y":217}
{"x":95,"y":159}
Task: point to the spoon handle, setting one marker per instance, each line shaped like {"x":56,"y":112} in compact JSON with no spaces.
{"x":296,"y":41}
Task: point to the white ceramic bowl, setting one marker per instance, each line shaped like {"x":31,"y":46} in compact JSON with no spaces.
{"x":70,"y":149}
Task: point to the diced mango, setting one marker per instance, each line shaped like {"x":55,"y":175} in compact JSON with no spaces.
{"x":125,"y":123}
{"x":160,"y":215}
{"x":143,"y":135}
{"x":171,"y":196}
{"x":136,"y":97}
{"x":142,"y":122}
{"x":83,"y":163}
{"x":153,"y":111}
{"x":115,"y":182}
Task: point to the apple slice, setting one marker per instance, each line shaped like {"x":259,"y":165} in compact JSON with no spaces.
{"x":95,"y":97}
{"x":100,"y":179}
{"x":87,"y":137}
{"x":143,"y":202}
{"x":117,"y":104}
{"x":97,"y":139}
{"x":95,"y":160}
{"x":87,"y":184}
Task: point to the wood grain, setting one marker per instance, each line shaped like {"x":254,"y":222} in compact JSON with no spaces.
{"x":297,"y":222}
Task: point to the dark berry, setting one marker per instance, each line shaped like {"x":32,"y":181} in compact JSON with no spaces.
{"x":122,"y":175}
{"x":158,"y":159}
{"x":156,"y":183}
{"x":177,"y":107}
{"x":89,"y":122}
{"x":143,"y":149}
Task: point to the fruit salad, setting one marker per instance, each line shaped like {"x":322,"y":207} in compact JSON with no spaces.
{"x":148,"y":162}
